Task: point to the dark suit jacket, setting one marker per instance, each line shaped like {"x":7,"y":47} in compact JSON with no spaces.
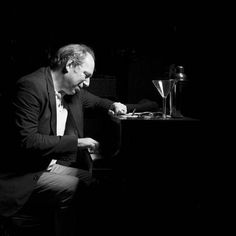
{"x":34,"y":115}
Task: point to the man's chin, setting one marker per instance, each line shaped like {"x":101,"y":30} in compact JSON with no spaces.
{"x":74,"y":90}
{"x":77,"y":89}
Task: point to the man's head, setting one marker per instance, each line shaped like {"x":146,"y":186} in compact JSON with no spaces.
{"x":75,"y":63}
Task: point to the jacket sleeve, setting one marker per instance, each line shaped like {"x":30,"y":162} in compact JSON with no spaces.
{"x":28,"y":105}
{"x":90,"y":100}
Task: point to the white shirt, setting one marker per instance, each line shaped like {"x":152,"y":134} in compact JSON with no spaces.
{"x":62,"y":114}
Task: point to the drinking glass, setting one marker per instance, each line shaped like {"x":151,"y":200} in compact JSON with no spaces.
{"x":164,"y":87}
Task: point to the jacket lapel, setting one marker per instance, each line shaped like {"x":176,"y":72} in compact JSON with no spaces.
{"x":75,"y":107}
{"x":52,"y":101}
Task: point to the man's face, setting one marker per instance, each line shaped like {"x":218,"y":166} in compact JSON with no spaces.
{"x":79,"y":76}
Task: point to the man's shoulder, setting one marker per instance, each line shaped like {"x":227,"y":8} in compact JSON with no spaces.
{"x":37,"y":84}
{"x":34,"y":77}
{"x":35,"y":80}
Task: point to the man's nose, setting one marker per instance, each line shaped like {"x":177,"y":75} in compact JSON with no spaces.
{"x":86,"y":82}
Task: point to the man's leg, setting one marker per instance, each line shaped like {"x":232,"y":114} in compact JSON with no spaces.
{"x":83,"y":175}
{"x":56,"y":190}
{"x":83,"y":200}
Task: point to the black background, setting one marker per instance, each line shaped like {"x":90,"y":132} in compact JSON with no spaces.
{"x":135,"y":42}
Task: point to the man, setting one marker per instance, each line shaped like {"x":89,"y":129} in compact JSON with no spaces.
{"x":53,"y":166}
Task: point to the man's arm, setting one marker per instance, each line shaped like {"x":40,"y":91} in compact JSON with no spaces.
{"x":90,"y":100}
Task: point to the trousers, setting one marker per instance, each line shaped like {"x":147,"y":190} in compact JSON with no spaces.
{"x":63,"y":190}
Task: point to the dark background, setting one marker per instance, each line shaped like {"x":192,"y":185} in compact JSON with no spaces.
{"x":133,"y":43}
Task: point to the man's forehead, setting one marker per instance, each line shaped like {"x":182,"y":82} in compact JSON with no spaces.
{"x":88,"y":63}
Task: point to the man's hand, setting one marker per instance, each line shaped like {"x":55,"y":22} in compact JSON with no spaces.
{"x":88,"y":143}
{"x":117,"y":108}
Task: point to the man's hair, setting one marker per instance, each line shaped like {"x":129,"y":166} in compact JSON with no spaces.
{"x":74,"y":52}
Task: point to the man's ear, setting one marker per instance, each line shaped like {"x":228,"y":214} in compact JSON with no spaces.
{"x":67,"y":67}
{"x":64,"y":70}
